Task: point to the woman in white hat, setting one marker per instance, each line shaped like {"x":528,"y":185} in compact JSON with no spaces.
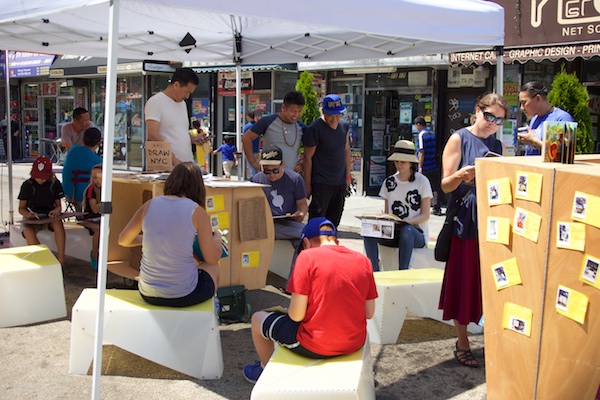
{"x":407,"y":195}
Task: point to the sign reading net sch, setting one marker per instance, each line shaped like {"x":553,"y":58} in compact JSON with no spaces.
{"x":159,"y":156}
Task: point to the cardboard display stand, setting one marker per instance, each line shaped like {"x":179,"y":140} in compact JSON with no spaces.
{"x":561,"y":357}
{"x":248,"y":261}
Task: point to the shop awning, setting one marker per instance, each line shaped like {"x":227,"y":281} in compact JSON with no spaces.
{"x":23,"y":64}
{"x":524,"y":54}
{"x":231,"y":68}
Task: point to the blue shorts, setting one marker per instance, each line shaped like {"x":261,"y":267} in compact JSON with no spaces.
{"x":280,"y":328}
{"x":205,"y":289}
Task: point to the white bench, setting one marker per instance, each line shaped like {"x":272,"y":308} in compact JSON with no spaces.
{"x":31,"y":286}
{"x":292,"y":377}
{"x":421,"y":258}
{"x":401,"y":291}
{"x":281,"y":261}
{"x":78,"y":240}
{"x":184,"y":339}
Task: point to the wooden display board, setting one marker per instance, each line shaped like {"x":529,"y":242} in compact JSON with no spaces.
{"x":561,"y":357}
{"x":248,"y":262}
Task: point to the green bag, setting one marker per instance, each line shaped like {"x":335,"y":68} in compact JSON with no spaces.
{"x":233,"y":306}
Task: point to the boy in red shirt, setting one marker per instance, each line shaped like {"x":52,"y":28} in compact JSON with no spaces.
{"x":333,"y":295}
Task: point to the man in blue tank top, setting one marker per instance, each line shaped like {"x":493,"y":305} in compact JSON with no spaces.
{"x":327,"y":161}
{"x":426,"y":152}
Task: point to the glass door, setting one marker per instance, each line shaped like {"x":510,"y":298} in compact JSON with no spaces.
{"x":30,"y":119}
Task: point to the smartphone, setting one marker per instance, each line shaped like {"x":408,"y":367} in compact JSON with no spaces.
{"x":522,"y":129}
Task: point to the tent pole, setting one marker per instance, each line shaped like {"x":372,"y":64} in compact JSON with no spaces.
{"x":499,"y":69}
{"x":9,"y":138}
{"x":238,"y":131}
{"x":106,"y":193}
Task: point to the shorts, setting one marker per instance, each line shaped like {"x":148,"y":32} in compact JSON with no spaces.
{"x":205,"y":289}
{"x":280,"y":328}
{"x":227,"y":167}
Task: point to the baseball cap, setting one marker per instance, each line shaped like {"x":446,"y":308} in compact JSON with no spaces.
{"x":332,"y":104}
{"x":313,"y":228}
{"x":404,"y":150}
{"x":271,"y":155}
{"x":41,"y":168}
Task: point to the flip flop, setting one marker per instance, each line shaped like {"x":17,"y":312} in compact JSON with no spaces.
{"x":465,"y":357}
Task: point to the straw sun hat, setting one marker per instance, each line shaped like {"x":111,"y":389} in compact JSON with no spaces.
{"x":404,"y":150}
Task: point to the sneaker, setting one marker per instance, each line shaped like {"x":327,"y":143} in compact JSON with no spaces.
{"x":252,"y":372}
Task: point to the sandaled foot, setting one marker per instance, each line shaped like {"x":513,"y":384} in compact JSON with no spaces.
{"x":465,"y":357}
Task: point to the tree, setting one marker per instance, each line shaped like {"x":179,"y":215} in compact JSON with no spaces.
{"x":310,"y":111}
{"x":570,"y":95}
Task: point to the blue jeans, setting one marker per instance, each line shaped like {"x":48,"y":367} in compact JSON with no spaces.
{"x":406,"y":238}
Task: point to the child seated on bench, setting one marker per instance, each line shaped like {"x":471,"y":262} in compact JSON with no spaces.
{"x":91,"y":206}
{"x":333,"y":295}
{"x":39,"y":198}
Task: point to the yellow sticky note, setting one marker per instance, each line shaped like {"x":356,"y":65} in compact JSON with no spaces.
{"x":215,"y":203}
{"x":506,"y":274}
{"x":571,"y":303}
{"x":498,"y":230}
{"x":527,"y":224}
{"x":499,"y":191}
{"x":584,"y":202}
{"x":589,"y":271}
{"x":570,"y":235}
{"x":219,"y":220}
{"x":529,"y":186}
{"x":517,"y":318}
{"x":250,"y":259}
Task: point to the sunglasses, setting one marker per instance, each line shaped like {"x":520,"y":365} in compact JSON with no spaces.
{"x":271,"y":171}
{"x":489,"y":117}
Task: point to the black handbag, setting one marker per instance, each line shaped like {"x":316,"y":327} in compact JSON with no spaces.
{"x":233,"y":306}
{"x":442,"y":244}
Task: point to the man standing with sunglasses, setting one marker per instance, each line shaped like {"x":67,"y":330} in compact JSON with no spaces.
{"x":286,"y":194}
{"x":534,"y":103}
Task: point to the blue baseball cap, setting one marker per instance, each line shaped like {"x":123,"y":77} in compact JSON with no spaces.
{"x":332,"y":104}
{"x":313,"y":228}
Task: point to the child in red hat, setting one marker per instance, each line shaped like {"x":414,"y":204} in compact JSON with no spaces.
{"x":40,"y":198}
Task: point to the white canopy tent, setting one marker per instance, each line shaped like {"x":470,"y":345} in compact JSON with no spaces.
{"x":236,"y":32}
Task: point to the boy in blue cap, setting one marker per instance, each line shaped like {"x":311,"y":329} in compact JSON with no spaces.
{"x":327,"y":161}
{"x":333,"y":295}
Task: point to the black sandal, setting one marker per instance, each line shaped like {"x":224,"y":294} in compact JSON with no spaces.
{"x":465,"y":357}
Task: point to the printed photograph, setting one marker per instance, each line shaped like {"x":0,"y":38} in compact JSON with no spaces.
{"x":522,"y":184}
{"x":214,"y":221}
{"x":500,"y":276}
{"x":210,"y":203}
{"x":590,"y":272}
{"x":521,"y":221}
{"x":245,"y":259}
{"x":517,"y":325}
{"x":563,"y":233}
{"x":562,"y":299}
{"x":492,"y":228}
{"x":494,"y":196}
{"x":387,"y":231}
{"x":580,"y":206}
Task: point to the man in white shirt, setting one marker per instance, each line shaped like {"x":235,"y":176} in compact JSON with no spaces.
{"x":167,"y":116}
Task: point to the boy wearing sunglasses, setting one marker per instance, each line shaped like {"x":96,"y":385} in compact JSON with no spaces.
{"x":285,"y":192}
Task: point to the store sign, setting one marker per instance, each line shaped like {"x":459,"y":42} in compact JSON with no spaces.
{"x":523,"y":55}
{"x":22,"y":64}
{"x":227,"y":83}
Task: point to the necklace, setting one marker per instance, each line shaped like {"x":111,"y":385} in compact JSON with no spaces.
{"x":283,"y":131}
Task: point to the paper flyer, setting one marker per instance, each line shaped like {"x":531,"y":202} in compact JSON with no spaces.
{"x":377,"y":228}
{"x":498,"y":230}
{"x":571,"y":303}
{"x":506,"y":274}
{"x":527,"y":224}
{"x":589,"y":271}
{"x":517,"y":319}
{"x":581,"y":204}
{"x":499,"y":191}
{"x":215,"y":203}
{"x":570,"y":235}
{"x":529,"y":186}
{"x":219,"y":220}
{"x":250,"y":259}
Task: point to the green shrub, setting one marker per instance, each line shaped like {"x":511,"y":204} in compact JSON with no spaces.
{"x":310,"y":110}
{"x":570,"y":95}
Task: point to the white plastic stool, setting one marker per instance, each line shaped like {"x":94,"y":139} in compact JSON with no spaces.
{"x":31,"y":286}
{"x":184,"y":339}
{"x":281,"y":262}
{"x":414,"y":290}
{"x":421,"y":258}
{"x":292,"y":377}
{"x":78,"y":242}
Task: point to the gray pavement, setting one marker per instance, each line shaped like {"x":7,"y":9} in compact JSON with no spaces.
{"x":35,"y":358}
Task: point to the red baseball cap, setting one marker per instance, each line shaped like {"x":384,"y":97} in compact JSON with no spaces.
{"x":42,"y":168}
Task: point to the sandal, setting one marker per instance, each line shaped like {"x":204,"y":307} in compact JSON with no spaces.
{"x":465,"y":357}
